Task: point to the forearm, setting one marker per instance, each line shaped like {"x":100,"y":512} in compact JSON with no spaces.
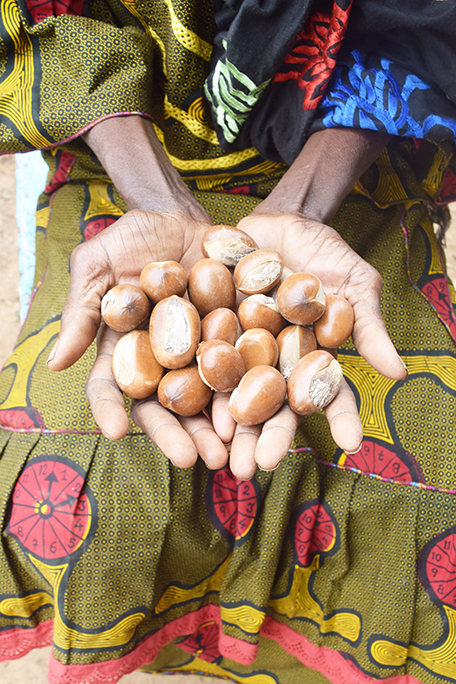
{"x":324,"y":172}
{"x":136,"y":162}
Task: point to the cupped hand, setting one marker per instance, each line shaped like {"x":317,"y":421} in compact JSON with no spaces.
{"x":118,"y":255}
{"x":312,"y":247}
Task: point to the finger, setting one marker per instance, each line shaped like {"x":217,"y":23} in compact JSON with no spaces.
{"x":369,"y":332}
{"x":81,"y":315}
{"x":164,"y":430}
{"x":104,"y":396}
{"x":223,"y":422}
{"x":344,"y":421}
{"x":242,"y":455}
{"x":208,"y":444}
{"x":276,"y":438}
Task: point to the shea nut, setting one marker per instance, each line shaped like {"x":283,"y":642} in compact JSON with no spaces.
{"x":161,"y":279}
{"x":211,"y":286}
{"x":314,"y":382}
{"x":124,"y":307}
{"x":301,"y":298}
{"x":227,"y":245}
{"x":336,"y":325}
{"x":220,"y":365}
{"x":259,"y":395}
{"x":258,"y":272}
{"x":135,"y":368}
{"x":183,"y":391}
{"x":175,"y":332}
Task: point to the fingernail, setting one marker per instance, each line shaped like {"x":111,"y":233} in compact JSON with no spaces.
{"x":356,"y":450}
{"x":404,"y":365}
{"x":52,"y":354}
{"x":269,"y":470}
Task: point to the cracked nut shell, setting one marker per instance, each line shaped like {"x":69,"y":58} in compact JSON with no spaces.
{"x":175,"y":332}
{"x":294,"y":342}
{"x":314,"y":382}
{"x":227,"y":245}
{"x":258,"y":272}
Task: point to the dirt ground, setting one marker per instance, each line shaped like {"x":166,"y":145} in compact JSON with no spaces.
{"x":32,"y":669}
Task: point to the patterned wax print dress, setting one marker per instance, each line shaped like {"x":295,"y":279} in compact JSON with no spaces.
{"x":335,"y":567}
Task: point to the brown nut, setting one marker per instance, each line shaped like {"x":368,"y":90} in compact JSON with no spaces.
{"x":294,"y":342}
{"x":211,"y":286}
{"x":258,"y":272}
{"x":220,"y":324}
{"x":184,"y":392}
{"x":124,"y":307}
{"x":301,"y":299}
{"x":260,"y":311}
{"x":161,"y":279}
{"x":175,"y":331}
{"x":314,"y":382}
{"x":220,"y":365}
{"x":258,"y":348}
{"x":336,"y":325}
{"x":258,"y":396}
{"x":135,"y":368}
{"x":227,"y":245}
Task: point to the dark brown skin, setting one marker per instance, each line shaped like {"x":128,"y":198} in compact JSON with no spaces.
{"x":166,"y":222}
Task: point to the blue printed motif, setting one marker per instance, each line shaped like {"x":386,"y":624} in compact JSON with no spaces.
{"x":373,"y":99}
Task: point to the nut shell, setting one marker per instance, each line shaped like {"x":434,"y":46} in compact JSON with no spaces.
{"x":294,"y":342}
{"x":220,"y":365}
{"x":175,"y":331}
{"x":135,"y":368}
{"x":211,"y":286}
{"x":124,"y":307}
{"x":184,"y":392}
{"x":258,"y":396}
{"x":260,"y":311}
{"x":258,"y":272}
{"x":220,"y":324}
{"x":314,"y":382}
{"x":301,"y":299}
{"x":258,"y":348}
{"x":161,"y":279}
{"x":336,"y":325}
{"x":227,"y":245}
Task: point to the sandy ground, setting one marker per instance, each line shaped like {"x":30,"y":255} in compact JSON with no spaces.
{"x":32,"y":669}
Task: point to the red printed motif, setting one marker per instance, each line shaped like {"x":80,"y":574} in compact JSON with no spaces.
{"x":50,"y":516}
{"x":437,"y":568}
{"x":97,"y":225}
{"x":234,"y":504}
{"x":438,"y":295}
{"x":203,"y":643}
{"x":314,"y":532}
{"x":387,"y":460}
{"x":65,"y":162}
{"x":41,"y":9}
{"x":313,"y":57}
{"x":21,"y":419}
{"x":447,"y":191}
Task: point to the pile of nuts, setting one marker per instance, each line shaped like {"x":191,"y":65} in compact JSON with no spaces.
{"x":268,"y":352}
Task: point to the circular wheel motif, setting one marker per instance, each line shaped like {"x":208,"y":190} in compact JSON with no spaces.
{"x":437,"y":568}
{"x":314,"y":532}
{"x":386,"y":460}
{"x":234,"y":503}
{"x":50,"y":515}
{"x":203,"y":643}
